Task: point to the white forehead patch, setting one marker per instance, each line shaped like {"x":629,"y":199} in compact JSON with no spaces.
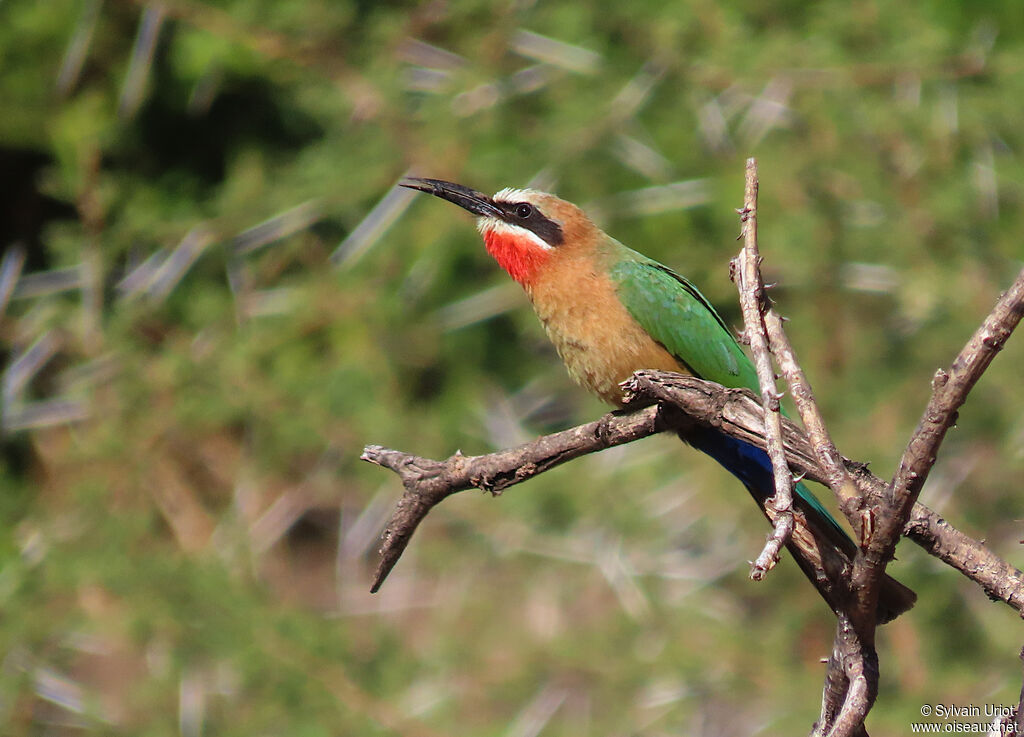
{"x":515,"y":195}
{"x":515,"y":231}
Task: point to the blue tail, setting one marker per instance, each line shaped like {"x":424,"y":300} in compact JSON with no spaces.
{"x":753,"y":467}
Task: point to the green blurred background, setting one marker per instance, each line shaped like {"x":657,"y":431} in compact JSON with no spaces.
{"x":213,"y":297}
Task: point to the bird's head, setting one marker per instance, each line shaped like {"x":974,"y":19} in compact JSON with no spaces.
{"x":522,"y":228}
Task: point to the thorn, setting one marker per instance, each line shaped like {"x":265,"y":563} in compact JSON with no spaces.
{"x":867,"y":528}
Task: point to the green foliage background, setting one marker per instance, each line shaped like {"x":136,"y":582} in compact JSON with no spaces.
{"x":194,"y":556}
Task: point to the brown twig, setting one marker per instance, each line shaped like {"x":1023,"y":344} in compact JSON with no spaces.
{"x":854,"y":638}
{"x":734,"y":412}
{"x":949,"y":391}
{"x":837,"y":478}
{"x":889,"y":513}
{"x":858,"y":663}
{"x":428,"y":482}
{"x":746,"y":272}
{"x":764,"y":328}
{"x":1000,"y":580}
{"x":847,"y":697}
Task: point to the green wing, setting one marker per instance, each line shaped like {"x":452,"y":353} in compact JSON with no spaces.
{"x":677,"y":315}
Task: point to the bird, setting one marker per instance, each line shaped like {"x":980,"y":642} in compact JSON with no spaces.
{"x":611,"y":311}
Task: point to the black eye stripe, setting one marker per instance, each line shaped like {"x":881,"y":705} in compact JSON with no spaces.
{"x":529,"y":216}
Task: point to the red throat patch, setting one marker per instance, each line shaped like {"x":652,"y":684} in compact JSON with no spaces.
{"x":519,"y":256}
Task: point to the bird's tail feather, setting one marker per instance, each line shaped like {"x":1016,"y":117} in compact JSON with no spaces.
{"x":820,"y":546}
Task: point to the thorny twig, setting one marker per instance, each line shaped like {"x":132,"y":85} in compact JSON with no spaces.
{"x":746,"y":272}
{"x":949,"y":391}
{"x":851,"y":682}
{"x":428,"y":482}
{"x":682,"y":399}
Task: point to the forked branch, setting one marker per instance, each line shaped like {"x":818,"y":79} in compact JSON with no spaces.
{"x":682,"y":400}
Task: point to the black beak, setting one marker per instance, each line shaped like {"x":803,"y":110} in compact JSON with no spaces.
{"x":476,"y":202}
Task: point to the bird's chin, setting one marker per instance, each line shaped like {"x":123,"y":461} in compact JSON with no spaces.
{"x":522,"y":237}
{"x":520,"y":256}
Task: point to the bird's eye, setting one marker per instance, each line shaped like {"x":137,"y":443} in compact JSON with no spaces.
{"x":524,"y":210}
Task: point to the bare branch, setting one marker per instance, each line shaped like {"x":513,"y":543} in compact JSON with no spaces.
{"x":819,"y":549}
{"x":860,"y":663}
{"x":736,"y":413}
{"x":428,"y":482}
{"x":1000,"y":580}
{"x":837,"y":478}
{"x":855,"y":633}
{"x":685,"y":400}
{"x":853,"y":695}
{"x":887,"y":514}
{"x":851,"y":682}
{"x":746,"y":272}
{"x":949,"y":391}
